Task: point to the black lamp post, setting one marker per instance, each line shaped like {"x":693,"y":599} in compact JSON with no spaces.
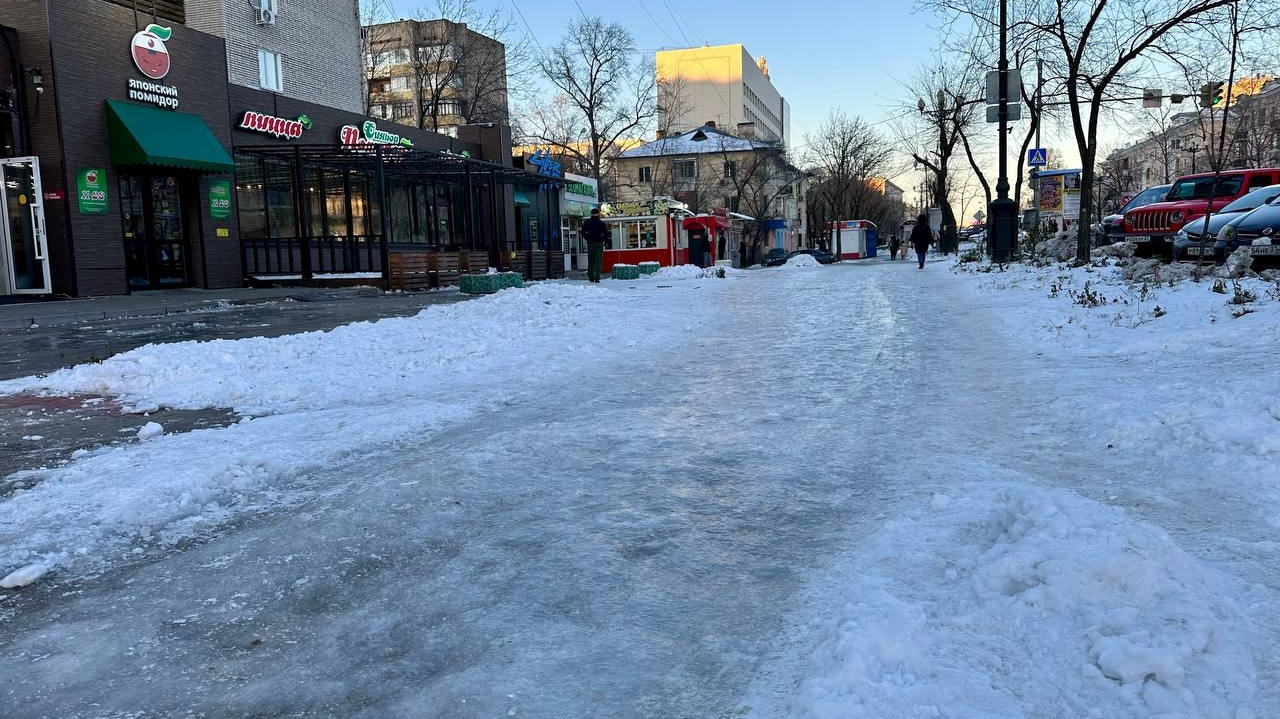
{"x":1003,"y":211}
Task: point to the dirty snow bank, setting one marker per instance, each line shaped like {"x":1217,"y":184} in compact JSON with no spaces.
{"x":1012,"y":602}
{"x":693,"y":272}
{"x":309,"y":401}
{"x":801,"y":262}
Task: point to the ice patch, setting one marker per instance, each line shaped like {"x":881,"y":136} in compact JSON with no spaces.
{"x":24,"y":576}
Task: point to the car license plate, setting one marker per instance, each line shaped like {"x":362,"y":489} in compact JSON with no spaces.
{"x":1198,"y":250}
{"x":1264,"y":249}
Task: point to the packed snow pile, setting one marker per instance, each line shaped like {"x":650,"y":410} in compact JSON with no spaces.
{"x":801,"y":262}
{"x":1013,"y":602}
{"x":1061,"y":247}
{"x":693,"y":272}
{"x":307,"y":400}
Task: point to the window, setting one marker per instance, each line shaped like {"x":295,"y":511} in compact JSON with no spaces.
{"x":436,"y":53}
{"x":685,"y":169}
{"x":648,"y":233}
{"x":646,"y":174}
{"x":398,"y":56}
{"x":401,"y":111}
{"x":399,"y":84}
{"x":269,"y":70}
{"x":730,"y":170}
{"x":1259,"y":181}
{"x":382,"y":111}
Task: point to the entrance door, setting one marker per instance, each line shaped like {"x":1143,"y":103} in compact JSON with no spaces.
{"x":24,"y":259}
{"x":155,"y":243}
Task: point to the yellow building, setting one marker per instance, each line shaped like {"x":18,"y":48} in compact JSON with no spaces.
{"x":724,"y":85}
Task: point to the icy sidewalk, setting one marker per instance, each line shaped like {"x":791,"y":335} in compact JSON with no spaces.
{"x":1092,"y":534}
{"x":307,"y":401}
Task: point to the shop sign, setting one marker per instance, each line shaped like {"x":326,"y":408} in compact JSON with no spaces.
{"x":271,"y":125}
{"x":220,"y":199}
{"x":369,"y":134}
{"x":91,"y":191}
{"x":53,"y":195}
{"x":580,"y":189}
{"x":547,"y":166}
{"x":151,"y":57}
{"x":149,"y":51}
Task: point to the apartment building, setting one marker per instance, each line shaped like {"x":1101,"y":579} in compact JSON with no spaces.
{"x":434,"y":74}
{"x":307,"y":50}
{"x":724,"y":85}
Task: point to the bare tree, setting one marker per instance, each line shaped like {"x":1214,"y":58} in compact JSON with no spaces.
{"x":760,"y":178}
{"x":847,"y":156}
{"x":1101,"y":48}
{"x":374,"y":34}
{"x":937,"y":128}
{"x":460,"y":60}
{"x":608,"y":93}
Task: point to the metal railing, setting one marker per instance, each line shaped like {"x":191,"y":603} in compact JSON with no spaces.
{"x":308,"y":256}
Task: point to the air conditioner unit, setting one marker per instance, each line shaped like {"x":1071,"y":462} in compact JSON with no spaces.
{"x":267,"y":11}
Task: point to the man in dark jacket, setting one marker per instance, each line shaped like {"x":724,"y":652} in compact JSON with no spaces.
{"x":921,"y":238}
{"x":596,"y":233}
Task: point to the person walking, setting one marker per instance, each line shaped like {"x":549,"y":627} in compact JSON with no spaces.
{"x":596,"y":233}
{"x":742,"y":253}
{"x":894,"y":244}
{"x":921,"y":237}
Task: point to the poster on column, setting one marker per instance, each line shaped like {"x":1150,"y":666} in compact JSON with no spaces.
{"x":1071,"y":197}
{"x":1050,"y":193}
{"x":91,"y":191}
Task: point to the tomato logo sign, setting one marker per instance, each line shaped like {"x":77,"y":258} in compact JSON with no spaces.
{"x":149,"y":52}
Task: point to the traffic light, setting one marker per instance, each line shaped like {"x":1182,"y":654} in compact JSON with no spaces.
{"x":1211,"y":94}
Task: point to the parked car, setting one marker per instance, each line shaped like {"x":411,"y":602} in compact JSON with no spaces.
{"x":822,"y":256}
{"x":1153,"y":227}
{"x":774,"y":257}
{"x":1259,"y":230}
{"x":1113,"y":225}
{"x":1194,"y":240}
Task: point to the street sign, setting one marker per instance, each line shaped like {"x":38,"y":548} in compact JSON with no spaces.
{"x":1015,"y":87}
{"x":1038,"y":157}
{"x":979,"y":215}
{"x":1152,"y":98}
{"x":993,"y":113}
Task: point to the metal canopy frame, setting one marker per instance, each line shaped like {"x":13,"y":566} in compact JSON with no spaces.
{"x":406,"y":163}
{"x":403,"y":162}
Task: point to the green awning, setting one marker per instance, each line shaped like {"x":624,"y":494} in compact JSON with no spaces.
{"x":521,"y":200}
{"x":142,"y":135}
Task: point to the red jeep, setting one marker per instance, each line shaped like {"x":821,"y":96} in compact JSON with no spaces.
{"x":1153,"y":226}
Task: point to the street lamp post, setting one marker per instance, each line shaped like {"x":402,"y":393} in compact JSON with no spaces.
{"x":1003,"y":212}
{"x":1193,"y":150}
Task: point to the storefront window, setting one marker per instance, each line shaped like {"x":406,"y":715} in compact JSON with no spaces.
{"x":422,"y":227}
{"x":315,"y":201}
{"x":633,"y":235}
{"x":648,"y":233}
{"x":279,"y":200}
{"x":250,"y":199}
{"x":335,"y":204}
{"x":400,"y":216}
{"x":444,"y":217}
{"x":359,"y":207}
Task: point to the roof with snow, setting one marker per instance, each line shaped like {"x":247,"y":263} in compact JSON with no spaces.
{"x":705,"y":139}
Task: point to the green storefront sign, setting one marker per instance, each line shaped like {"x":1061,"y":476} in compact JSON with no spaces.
{"x":220,"y":199}
{"x":91,"y":191}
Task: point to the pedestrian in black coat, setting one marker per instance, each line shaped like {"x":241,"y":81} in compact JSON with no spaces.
{"x":894,"y":244}
{"x":921,"y":238}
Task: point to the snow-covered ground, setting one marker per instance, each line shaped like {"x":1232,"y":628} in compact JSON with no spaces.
{"x":855,"y":491}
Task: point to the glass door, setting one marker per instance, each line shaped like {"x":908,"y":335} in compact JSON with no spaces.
{"x":26,"y":249}
{"x":154,"y":237}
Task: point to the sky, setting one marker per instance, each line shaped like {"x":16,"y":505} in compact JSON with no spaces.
{"x":855,"y":55}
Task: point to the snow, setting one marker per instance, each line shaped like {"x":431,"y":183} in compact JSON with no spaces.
{"x":307,"y":401}
{"x":693,"y":272}
{"x":150,"y":430}
{"x":712,"y":140}
{"x":863,"y":492}
{"x":23,"y":576}
{"x":324,"y":276}
{"x":801,"y":262}
{"x":1085,"y":611}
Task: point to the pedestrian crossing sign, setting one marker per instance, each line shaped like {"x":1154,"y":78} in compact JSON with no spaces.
{"x":1037,"y":157}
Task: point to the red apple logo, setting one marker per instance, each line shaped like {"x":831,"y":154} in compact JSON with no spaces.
{"x":149,"y":52}
{"x":91,"y":177}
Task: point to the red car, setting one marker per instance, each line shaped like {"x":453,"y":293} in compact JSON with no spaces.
{"x":1153,"y":226}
